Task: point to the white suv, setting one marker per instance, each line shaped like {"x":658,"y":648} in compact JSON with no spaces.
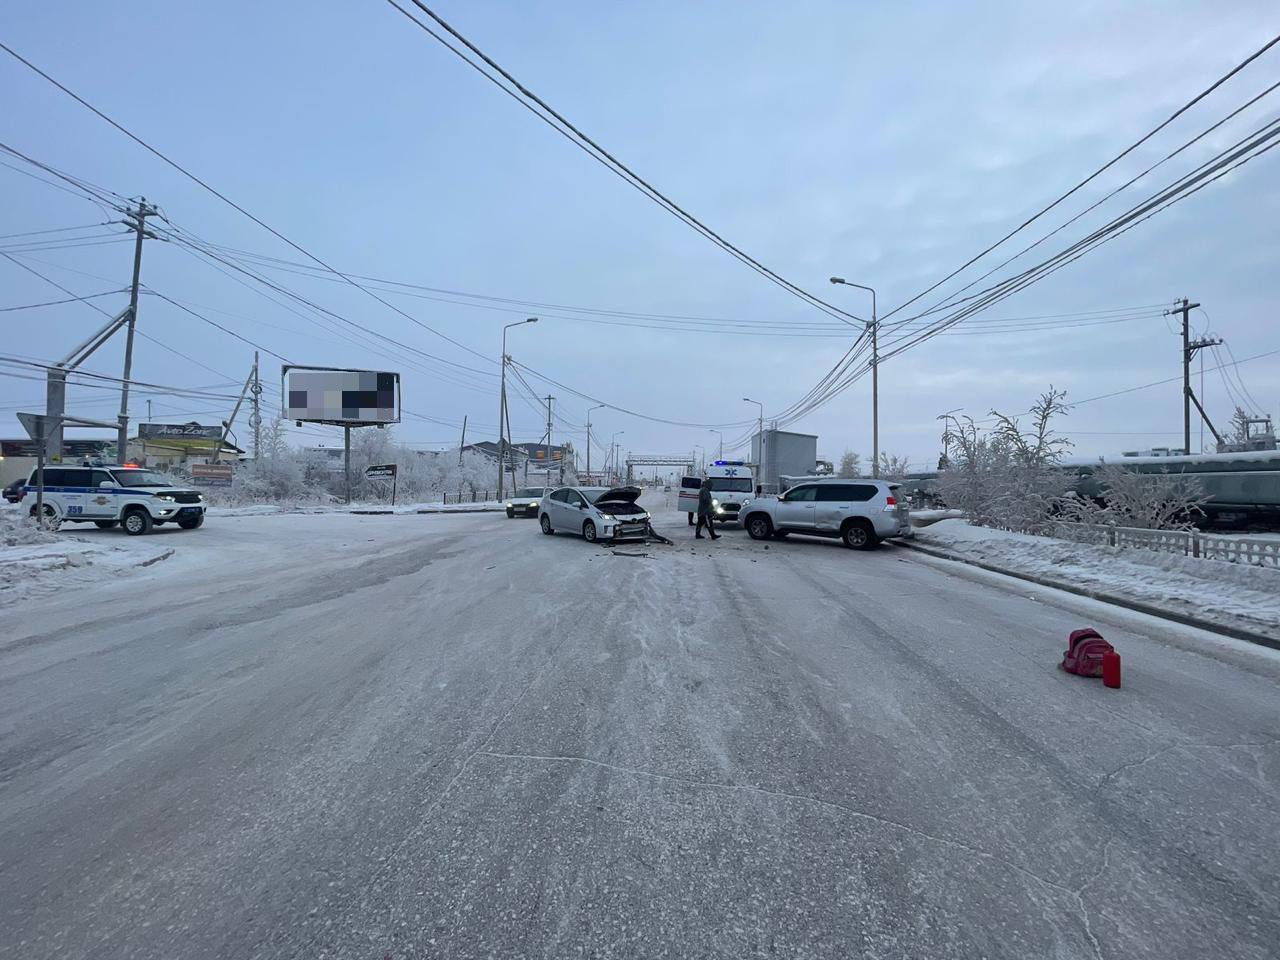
{"x":859,"y":512}
{"x":136,"y":499}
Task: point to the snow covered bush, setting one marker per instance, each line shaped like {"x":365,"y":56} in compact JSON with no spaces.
{"x":850,"y":465}
{"x":1149,"y":501}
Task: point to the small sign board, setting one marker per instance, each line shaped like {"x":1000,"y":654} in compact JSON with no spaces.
{"x":380,"y":471}
{"x":212,"y":474}
{"x":178,"y":431}
{"x":37,"y":425}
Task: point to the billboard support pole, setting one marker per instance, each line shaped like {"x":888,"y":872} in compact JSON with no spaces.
{"x":346,"y":449}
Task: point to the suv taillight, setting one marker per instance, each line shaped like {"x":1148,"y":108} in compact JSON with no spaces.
{"x":889,"y":501}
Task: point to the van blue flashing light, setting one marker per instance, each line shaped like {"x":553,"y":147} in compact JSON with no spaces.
{"x":729,"y":463}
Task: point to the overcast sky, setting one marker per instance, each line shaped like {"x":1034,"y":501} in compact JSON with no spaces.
{"x":886,"y":142}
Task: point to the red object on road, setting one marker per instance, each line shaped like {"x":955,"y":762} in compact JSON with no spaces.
{"x":1111,"y":669}
{"x":1084,"y":654}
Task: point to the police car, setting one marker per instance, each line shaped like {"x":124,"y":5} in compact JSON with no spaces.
{"x":132,"y":497}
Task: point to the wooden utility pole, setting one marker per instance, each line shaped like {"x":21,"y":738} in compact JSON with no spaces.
{"x":137,"y":220}
{"x":1189,"y":349}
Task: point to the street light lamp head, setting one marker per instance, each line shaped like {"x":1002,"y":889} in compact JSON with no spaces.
{"x":532,"y":320}
{"x":837,"y":279}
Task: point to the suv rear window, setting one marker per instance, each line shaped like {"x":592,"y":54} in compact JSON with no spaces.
{"x":62,"y":477}
{"x":846,"y":492}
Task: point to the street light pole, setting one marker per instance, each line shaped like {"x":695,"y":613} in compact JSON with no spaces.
{"x":502,"y":396}
{"x":721,"y":436}
{"x":589,"y":409}
{"x":874,"y":327}
{"x":760,"y":434}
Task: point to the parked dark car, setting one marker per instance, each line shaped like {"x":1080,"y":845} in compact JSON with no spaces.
{"x":14,"y":491}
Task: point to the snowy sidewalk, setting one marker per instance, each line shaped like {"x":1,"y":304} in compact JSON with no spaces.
{"x":27,"y":558}
{"x":1228,"y":595}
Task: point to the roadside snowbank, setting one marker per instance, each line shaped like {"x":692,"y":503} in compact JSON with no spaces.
{"x":17,"y":529}
{"x":1226,"y":593}
{"x":33,"y":569}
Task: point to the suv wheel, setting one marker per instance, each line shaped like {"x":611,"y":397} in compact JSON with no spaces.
{"x":193,"y":523}
{"x":759,"y":527}
{"x":859,"y":535}
{"x":137,"y":522}
{"x":51,"y":519}
{"x":511,"y":514}
{"x":105,"y":524}
{"x":545,"y":522}
{"x":589,"y":532}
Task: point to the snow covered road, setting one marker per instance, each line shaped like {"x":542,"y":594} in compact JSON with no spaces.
{"x":449,"y":736}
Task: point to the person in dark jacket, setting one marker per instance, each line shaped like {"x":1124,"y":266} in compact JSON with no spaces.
{"x":704,"y":511}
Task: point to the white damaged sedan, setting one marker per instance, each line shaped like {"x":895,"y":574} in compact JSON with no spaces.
{"x":595,"y":513}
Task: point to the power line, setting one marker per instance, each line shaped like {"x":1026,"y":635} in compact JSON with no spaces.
{"x":142,"y":384}
{"x":308,"y":270}
{"x":35,"y":233}
{"x":1158,"y":383}
{"x":1210,"y":171}
{"x":1102,"y":169}
{"x":943,"y":304}
{"x":633,"y":413}
{"x":54,"y":303}
{"x":183,"y":241}
{"x":227,"y":200}
{"x":545,"y":112}
{"x":832,"y":384}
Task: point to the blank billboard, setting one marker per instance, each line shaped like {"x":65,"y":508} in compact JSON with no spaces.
{"x":341,"y":396}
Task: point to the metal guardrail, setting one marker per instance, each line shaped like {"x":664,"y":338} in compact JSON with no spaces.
{"x":1187,"y":543}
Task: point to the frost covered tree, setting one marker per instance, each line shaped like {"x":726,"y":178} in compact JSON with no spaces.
{"x":277,"y":475}
{"x":1149,"y":501}
{"x":850,"y":465}
{"x":1009,"y":477}
{"x":893,"y":468}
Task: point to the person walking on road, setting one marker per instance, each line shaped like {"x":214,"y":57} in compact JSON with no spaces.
{"x":704,"y":512}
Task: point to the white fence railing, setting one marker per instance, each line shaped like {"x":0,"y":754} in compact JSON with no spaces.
{"x":1186,"y":543}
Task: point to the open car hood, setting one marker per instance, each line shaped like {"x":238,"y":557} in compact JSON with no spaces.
{"x":619,"y":495}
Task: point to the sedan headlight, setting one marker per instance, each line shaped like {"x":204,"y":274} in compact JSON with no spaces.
{"x":534,"y":505}
{"x":606,"y":516}
{"x":509,"y":504}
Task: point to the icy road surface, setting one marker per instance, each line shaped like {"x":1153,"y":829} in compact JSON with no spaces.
{"x":450,"y":736}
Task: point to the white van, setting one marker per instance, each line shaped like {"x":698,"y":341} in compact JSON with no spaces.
{"x":732,"y":485}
